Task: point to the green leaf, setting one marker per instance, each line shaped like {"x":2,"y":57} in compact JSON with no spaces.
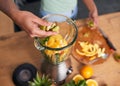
{"x":40,"y":81}
{"x":35,"y":81}
{"x":31,"y":83}
{"x":82,"y":83}
{"x":37,"y":77}
{"x":72,"y":83}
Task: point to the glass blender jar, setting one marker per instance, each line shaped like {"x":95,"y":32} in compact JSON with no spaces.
{"x":57,"y":62}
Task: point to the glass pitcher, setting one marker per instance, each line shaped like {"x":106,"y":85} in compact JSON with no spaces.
{"x":57,"y":62}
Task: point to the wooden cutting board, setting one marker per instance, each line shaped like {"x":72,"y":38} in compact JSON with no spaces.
{"x":90,"y":36}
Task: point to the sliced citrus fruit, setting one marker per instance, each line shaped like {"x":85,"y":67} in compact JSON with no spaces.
{"x":77,"y":78}
{"x":86,"y":71}
{"x":91,"y":82}
{"x":50,"y":42}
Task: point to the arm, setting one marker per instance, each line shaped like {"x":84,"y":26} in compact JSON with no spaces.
{"x":8,"y":7}
{"x":26,"y":20}
{"x":93,"y":13}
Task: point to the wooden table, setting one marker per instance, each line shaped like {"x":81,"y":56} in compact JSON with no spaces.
{"x":18,"y":48}
{"x":6,"y":24}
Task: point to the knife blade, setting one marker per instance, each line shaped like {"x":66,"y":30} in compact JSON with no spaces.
{"x":107,"y":40}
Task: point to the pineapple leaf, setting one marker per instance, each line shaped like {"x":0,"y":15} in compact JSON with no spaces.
{"x":37,"y":78}
{"x":31,"y":83}
{"x":40,"y":81}
{"x":35,"y":81}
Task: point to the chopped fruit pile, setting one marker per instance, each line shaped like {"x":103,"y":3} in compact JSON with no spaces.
{"x":55,"y":41}
{"x":90,"y":50}
{"x":86,"y":71}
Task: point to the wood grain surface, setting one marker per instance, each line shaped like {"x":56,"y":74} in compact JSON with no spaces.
{"x":18,"y":48}
{"x":6,"y":24}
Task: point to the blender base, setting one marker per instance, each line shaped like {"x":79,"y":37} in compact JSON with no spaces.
{"x":58,"y":73}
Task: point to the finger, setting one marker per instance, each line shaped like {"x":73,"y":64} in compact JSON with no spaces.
{"x":45,"y":23}
{"x":92,"y":18}
{"x":42,"y":33}
{"x":40,"y":21}
{"x":45,"y":34}
{"x":96,"y":21}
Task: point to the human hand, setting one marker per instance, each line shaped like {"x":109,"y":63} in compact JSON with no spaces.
{"x":31,"y":24}
{"x":93,"y":15}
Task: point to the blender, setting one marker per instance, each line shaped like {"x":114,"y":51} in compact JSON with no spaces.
{"x":57,"y":62}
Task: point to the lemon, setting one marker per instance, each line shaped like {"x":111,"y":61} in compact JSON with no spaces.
{"x":86,"y":71}
{"x":91,"y":82}
{"x":77,"y":78}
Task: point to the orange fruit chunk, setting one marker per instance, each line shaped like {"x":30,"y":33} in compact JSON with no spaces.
{"x":86,"y":71}
{"x":91,"y":82}
{"x":77,"y":78}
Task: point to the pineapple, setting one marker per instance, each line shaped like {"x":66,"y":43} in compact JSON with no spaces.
{"x":40,"y":81}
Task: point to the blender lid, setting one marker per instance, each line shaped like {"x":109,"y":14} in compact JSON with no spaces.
{"x":24,"y":73}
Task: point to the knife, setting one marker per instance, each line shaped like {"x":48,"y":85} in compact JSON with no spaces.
{"x":107,"y":40}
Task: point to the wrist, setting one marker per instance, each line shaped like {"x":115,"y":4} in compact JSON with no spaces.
{"x":14,"y":14}
{"x":93,"y":9}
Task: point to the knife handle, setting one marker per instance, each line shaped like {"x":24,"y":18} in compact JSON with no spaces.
{"x":110,"y":44}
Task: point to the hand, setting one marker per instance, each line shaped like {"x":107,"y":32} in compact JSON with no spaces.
{"x":30,"y":23}
{"x":93,"y":15}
